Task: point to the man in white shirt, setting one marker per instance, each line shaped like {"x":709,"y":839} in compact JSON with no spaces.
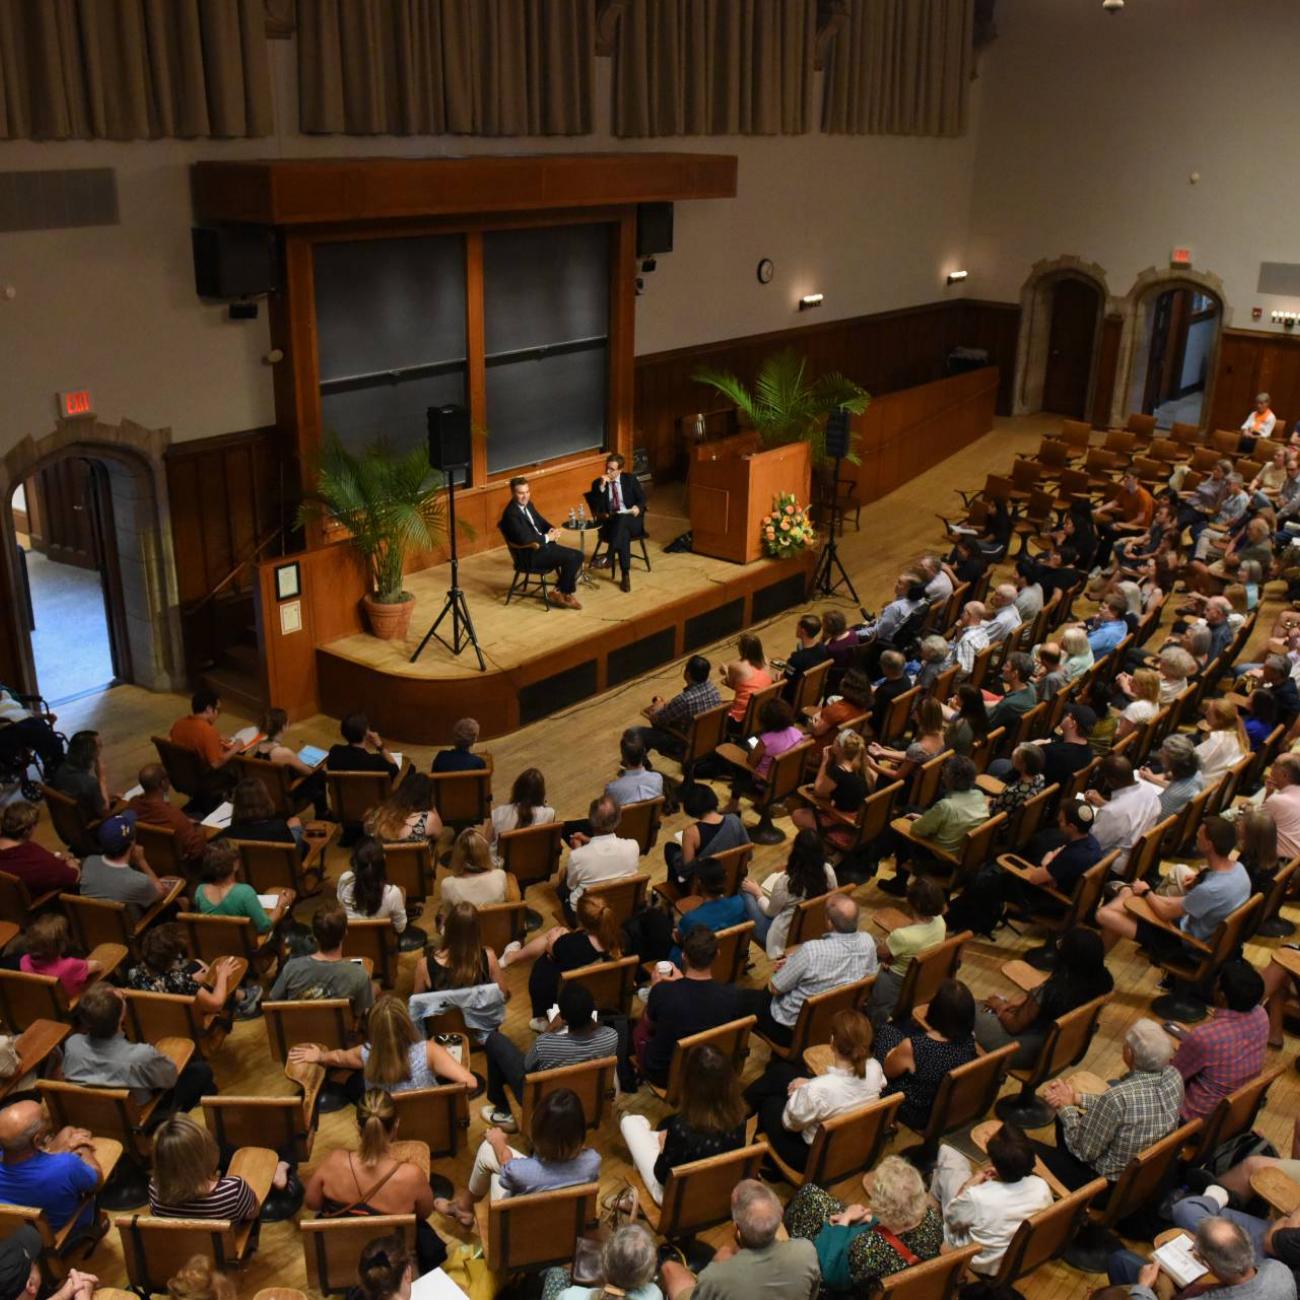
{"x":972,"y":638}
{"x":1006,"y":617}
{"x":1029,"y":598}
{"x":986,"y":1206}
{"x":1282,"y":786}
{"x":603,"y":856}
{"x":1260,"y":423}
{"x":938,"y":579}
{"x":1131,"y":809}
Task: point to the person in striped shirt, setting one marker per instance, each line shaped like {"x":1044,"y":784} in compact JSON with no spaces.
{"x":187,"y":1181}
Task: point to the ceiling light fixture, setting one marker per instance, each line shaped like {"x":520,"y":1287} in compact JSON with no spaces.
{"x":810,"y":300}
{"x":956,"y":277}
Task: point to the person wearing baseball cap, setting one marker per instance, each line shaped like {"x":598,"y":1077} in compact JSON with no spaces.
{"x":20,"y":1273}
{"x":118,"y":873}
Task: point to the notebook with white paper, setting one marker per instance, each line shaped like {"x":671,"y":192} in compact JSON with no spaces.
{"x":269,"y":901}
{"x":220,"y":816}
{"x":435,"y":1286}
{"x":133,"y":793}
{"x":246,"y":737}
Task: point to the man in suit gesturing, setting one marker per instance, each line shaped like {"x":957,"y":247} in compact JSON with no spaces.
{"x":522,"y":524}
{"x":620,"y":499}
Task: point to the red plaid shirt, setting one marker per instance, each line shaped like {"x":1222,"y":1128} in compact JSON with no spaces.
{"x":1220,"y":1056}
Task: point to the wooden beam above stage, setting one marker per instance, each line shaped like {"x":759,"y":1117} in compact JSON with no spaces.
{"x":308,"y":191}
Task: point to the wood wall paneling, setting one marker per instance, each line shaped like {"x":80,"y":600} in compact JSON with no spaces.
{"x":1251,"y":362}
{"x":1103,"y":391}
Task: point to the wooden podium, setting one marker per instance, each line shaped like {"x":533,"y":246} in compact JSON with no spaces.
{"x":732,"y":487}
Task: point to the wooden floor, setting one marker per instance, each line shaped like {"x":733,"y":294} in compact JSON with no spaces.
{"x":893,"y":531}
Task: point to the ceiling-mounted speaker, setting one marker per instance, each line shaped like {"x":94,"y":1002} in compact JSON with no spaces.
{"x":234,"y":261}
{"x":654,"y":229}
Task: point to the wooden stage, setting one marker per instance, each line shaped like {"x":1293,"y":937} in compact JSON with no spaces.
{"x":540,"y":660}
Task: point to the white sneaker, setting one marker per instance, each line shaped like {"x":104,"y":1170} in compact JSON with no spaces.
{"x":501,"y":1119}
{"x":539,"y":1024}
{"x":508,"y":952}
{"x":1219,"y":1195}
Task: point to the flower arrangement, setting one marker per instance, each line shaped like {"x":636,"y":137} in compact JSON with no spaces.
{"x":788,"y":529}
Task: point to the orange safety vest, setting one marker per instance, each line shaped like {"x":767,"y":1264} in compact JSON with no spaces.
{"x":1257,"y":420}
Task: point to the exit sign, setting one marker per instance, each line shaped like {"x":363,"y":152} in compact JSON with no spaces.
{"x":76,"y":402}
{"x":1181,"y":257}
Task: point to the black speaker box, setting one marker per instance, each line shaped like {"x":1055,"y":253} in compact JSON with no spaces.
{"x":449,"y":438}
{"x":837,"y":433}
{"x":654,"y":229}
{"x":233,"y":261}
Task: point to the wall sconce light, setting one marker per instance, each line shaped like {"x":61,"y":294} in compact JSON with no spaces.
{"x":810,"y":300}
{"x":956,"y":277}
{"x":1288,"y":319}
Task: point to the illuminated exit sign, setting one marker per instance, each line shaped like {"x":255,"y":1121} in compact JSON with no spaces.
{"x":76,"y":403}
{"x":1181,"y":257}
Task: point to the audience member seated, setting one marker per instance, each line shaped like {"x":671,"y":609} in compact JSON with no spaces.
{"x":25,"y":860}
{"x":909,"y":596}
{"x":772,"y":905}
{"x":843,"y":955}
{"x":1068,"y":751}
{"x":967,"y":720}
{"x":1282,"y":802}
{"x":1260,"y":719}
{"x":1019,"y":695}
{"x":24,"y":725}
{"x":47,"y":953}
{"x":219,"y":893}
{"x":376,"y":1181}
{"x":1078,"y":653}
{"x":603,"y":856}
{"x":682,"y":1003}
{"x":840,"y":640}
{"x":988,"y":1205}
{"x":273,"y":748}
{"x":362,"y":749}
{"x":1220,"y":887}
{"x":81,"y":775}
{"x":364,"y":889}
{"x":462,"y":961}
{"x":927,"y":927}
{"x":1097,"y":1140}
{"x":395,"y":1058}
{"x":635,"y":781}
{"x":474,"y":877}
{"x":1126,"y":808}
{"x":1079,"y":976}
{"x":1179,"y":778}
{"x":526,"y":807}
{"x":670,"y":720}
{"x":745,"y":675}
{"x":939,"y":584}
{"x":597,"y":937}
{"x":52,"y":1173}
{"x":629,"y":1260}
{"x":1049,"y":677}
{"x":857,"y":1245}
{"x":1023,"y":783}
{"x":917,"y":1060}
{"x":199,"y":1280}
{"x":854,"y":699}
{"x":385,"y":1270}
{"x":100,"y":1056}
{"x":460,"y":757}
{"x":791,"y":1107}
{"x":1226,"y":742}
{"x":1142,"y":689}
{"x":326,"y":973}
{"x":197,"y":731}
{"x":119,"y":873}
{"x":20,"y":1270}
{"x":1225,"y":1052}
{"x":893,"y":682}
{"x":968,"y":562}
{"x":945,"y":824}
{"x":187,"y":1182}
{"x":1125,"y":515}
{"x":1029,"y":596}
{"x":253,"y":816}
{"x":840,"y":784}
{"x":1004,"y":617}
{"x":930,"y":738}
{"x":710,"y":832}
{"x":718,"y":910}
{"x":152,"y":808}
{"x":572,"y":1037}
{"x":408,"y":814}
{"x":777,"y":733}
{"x":757,"y":1264}
{"x":1257,"y":847}
{"x":932,"y":652}
{"x":168,"y":968}
{"x":1236,"y":1180}
{"x":809,"y":652}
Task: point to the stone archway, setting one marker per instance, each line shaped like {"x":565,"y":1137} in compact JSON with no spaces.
{"x":1036,"y":325}
{"x":1138,"y":305}
{"x":132,"y":456}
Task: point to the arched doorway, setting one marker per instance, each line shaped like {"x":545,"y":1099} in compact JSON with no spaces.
{"x":1176,"y":341}
{"x":108,"y":483}
{"x":1063,"y":304}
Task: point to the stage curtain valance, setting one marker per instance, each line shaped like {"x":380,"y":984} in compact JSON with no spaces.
{"x":714,"y":67}
{"x":440,"y":67}
{"x":900,"y":67}
{"x":133,"y":69}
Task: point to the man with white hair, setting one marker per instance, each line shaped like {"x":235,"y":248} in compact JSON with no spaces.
{"x":972,"y":638}
{"x":1006,"y":617}
{"x":1260,"y":423}
{"x":757,"y":1264}
{"x":938,"y":577}
{"x":1213,"y":540}
{"x":1096,"y":1137}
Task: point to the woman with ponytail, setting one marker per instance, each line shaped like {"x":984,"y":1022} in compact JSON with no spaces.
{"x":598,"y":937}
{"x":373,"y":1181}
{"x":462,"y":962}
{"x":385,"y":1270}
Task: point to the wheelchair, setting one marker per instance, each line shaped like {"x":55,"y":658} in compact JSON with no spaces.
{"x":24,"y":746}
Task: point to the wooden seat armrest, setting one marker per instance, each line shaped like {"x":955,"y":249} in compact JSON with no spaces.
{"x":1277,"y":1188}
{"x":890,"y":919}
{"x":819,"y":1058}
{"x":1019,"y":868}
{"x":312,"y":864}
{"x":903,"y":825}
{"x":311,"y":1079}
{"x":177,"y":1050}
{"x":1140,"y":908}
{"x":110,"y":956}
{"x":256,"y":1166}
{"x":736,"y":755}
{"x":990,"y":784}
{"x":108,"y":1151}
{"x":148,"y":918}
{"x":1024,"y":976}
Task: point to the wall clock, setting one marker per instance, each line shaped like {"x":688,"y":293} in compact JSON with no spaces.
{"x":766,"y":271}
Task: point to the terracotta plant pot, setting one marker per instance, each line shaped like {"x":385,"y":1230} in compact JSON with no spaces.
{"x":389,"y":622}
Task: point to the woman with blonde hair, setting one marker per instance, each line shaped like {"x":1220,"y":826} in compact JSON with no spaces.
{"x":1143,"y":690}
{"x":527,"y":807}
{"x":476,"y":877}
{"x":407,"y":814}
{"x":187,"y":1182}
{"x":859,"y":1244}
{"x":373,"y":1181}
{"x":1257,"y":847}
{"x":598,"y":937}
{"x":840,"y":787}
{"x":397,"y":1058}
{"x":929,"y":740}
{"x":1078,"y":653}
{"x":745,"y":675}
{"x":462,"y":961}
{"x":1226,"y":742}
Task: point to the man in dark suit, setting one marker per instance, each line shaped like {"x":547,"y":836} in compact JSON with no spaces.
{"x":522,"y":524}
{"x":619,"y":500}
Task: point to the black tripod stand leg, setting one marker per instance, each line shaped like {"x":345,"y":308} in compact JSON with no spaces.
{"x":428,"y":636}
{"x":469,"y":635}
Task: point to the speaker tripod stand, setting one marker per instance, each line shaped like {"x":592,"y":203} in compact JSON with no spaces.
{"x":462,"y":626}
{"x":831,"y":574}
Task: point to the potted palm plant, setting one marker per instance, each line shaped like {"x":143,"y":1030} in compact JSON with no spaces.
{"x":785,"y":405}
{"x":389,"y":503}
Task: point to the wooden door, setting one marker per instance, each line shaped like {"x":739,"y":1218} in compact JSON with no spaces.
{"x":1076,"y":305}
{"x":61,"y":512}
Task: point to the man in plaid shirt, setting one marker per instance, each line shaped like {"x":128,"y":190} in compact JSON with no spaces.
{"x":1226,"y":1052}
{"x":670,"y":720}
{"x":1098,"y":1136}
